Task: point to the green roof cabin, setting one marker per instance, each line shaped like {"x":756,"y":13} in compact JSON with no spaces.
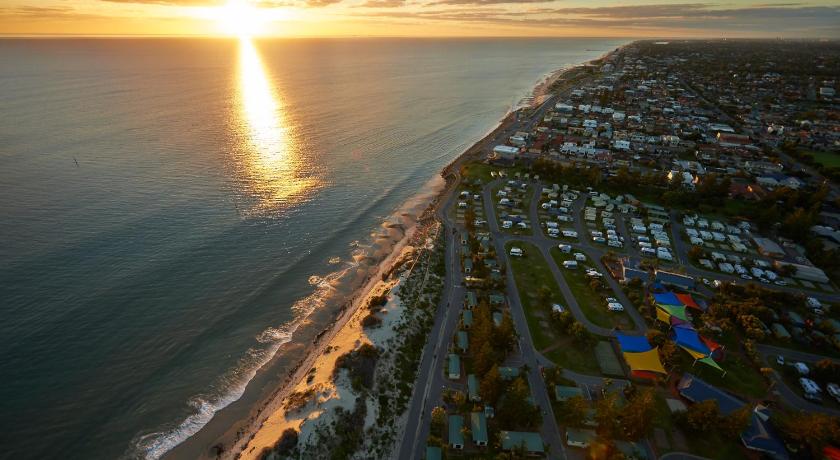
{"x":454,"y":366}
{"x":456,"y":438}
{"x":472,"y":387}
{"x":463,"y":341}
{"x":478,"y":426}
{"x":532,"y":442}
{"x":470,"y":300}
{"x":564,"y":393}
{"x":509,"y":373}
{"x":467,"y":319}
{"x":579,"y":438}
{"x":433,"y":453}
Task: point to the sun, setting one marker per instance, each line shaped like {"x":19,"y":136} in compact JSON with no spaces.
{"x":241,"y":18}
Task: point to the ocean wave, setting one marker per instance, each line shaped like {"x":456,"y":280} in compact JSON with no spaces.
{"x":231,"y":386}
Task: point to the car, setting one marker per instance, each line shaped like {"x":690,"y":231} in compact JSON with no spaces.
{"x":780,"y":283}
{"x":614,"y":306}
{"x":706,"y":281}
{"x":813,"y":397}
{"x":746,"y":277}
{"x":612,"y":300}
{"x":558,"y":308}
{"x":834,"y":391}
{"x":780,"y":360}
{"x":598,"y":239}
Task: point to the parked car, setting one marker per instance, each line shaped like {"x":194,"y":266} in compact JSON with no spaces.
{"x":615,"y":306}
{"x":780,"y":360}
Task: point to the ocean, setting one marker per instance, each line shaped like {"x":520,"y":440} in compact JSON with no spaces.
{"x":177,"y":213}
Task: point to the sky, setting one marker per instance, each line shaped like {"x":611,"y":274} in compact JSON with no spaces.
{"x":423,"y":18}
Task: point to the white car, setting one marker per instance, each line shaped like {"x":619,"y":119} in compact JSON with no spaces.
{"x":615,"y":306}
{"x":834,"y":391}
{"x":517,"y":252}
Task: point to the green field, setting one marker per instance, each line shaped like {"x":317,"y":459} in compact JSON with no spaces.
{"x":591,"y":301}
{"x":829,"y":159}
{"x":531,"y":273}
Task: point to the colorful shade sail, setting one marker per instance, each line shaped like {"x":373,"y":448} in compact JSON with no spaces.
{"x":645,"y":361}
{"x":673,"y":310}
{"x":633,"y":343}
{"x":688,"y":301}
{"x":667,"y":298}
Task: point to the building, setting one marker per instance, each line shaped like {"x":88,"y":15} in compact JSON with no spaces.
{"x":454,"y":366}
{"x":456,"y":437}
{"x":433,"y":453}
{"x":804,"y":272}
{"x":675,"y":279}
{"x":463,"y":341}
{"x":579,"y":438}
{"x":696,"y":390}
{"x":761,"y":437}
{"x":478,"y":426}
{"x":531,"y":442}
{"x":505,"y":152}
{"x":472,"y":388}
{"x":564,"y":393}
{"x":768,"y":247}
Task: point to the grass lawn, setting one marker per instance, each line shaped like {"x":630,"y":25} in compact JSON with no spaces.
{"x":591,"y":302}
{"x":829,"y":159}
{"x":741,"y":377}
{"x":531,"y":273}
{"x":569,"y":356}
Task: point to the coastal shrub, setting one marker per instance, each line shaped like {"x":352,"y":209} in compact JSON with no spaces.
{"x":360,"y":365}
{"x":284,"y":446}
{"x":371,"y":320}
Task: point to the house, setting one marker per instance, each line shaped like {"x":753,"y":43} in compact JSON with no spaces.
{"x":531,"y":442}
{"x":579,"y":438}
{"x":504,"y":152}
{"x":761,"y":437}
{"x":732,"y":140}
{"x":696,"y":390}
{"x":472,"y":388}
{"x":463,"y":341}
{"x":454,"y":366}
{"x":509,"y":373}
{"x":467,"y":319}
{"x":804,"y":272}
{"x":564,"y":393}
{"x":471,"y":300}
{"x":456,"y":438}
{"x":675,"y":279}
{"x":768,"y":247}
{"x":478,"y":426}
{"x":433,"y":453}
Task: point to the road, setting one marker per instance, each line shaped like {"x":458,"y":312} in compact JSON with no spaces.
{"x":430,"y":378}
{"x":789,"y":395}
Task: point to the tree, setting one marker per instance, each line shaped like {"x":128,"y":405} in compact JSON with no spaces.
{"x":606,"y":415}
{"x":637,"y":415}
{"x":491,"y":386}
{"x":438,"y":420}
{"x":515,"y":411}
{"x":702,"y":417}
{"x":695,"y":253}
{"x":813,"y":430}
{"x":732,"y":425}
{"x":573,"y":410}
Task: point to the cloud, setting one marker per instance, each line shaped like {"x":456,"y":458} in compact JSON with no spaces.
{"x":486,"y":2}
{"x":765,"y":20}
{"x":383,"y":4}
{"x":171,"y":2}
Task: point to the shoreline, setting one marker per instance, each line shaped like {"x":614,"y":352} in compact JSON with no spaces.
{"x":236,"y":439}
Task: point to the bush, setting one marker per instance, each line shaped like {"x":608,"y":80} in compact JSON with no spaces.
{"x":371,"y":320}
